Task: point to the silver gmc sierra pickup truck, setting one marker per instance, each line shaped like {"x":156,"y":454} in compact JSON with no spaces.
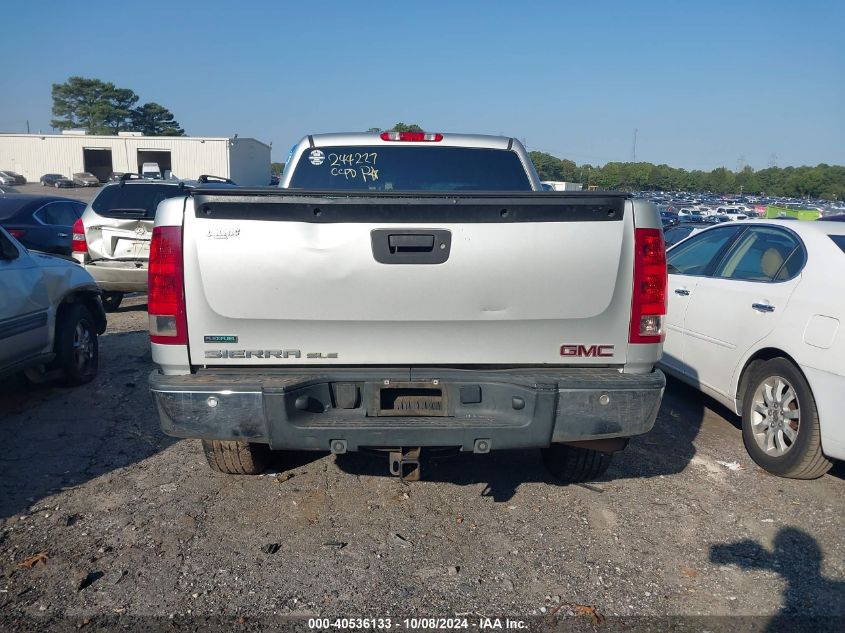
{"x":403,"y":291}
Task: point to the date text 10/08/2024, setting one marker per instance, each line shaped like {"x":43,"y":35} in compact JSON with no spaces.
{"x":416,"y":623}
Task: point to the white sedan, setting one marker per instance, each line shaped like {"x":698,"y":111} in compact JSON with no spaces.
{"x":755,"y":320}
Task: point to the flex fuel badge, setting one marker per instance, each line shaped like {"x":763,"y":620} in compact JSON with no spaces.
{"x":220,"y":339}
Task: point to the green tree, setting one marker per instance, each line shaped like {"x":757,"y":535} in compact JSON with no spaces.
{"x":153,"y":119}
{"x":548,"y":167}
{"x":100,"y":107}
{"x":277,"y":168}
{"x":96,"y":106}
{"x":120,"y":113}
{"x":402,"y":127}
{"x":374,"y":129}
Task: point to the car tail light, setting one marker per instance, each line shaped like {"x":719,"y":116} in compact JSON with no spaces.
{"x":17,"y":233}
{"x":648,"y":304}
{"x":78,"y":243}
{"x":166,"y":291}
{"x":413,"y":137}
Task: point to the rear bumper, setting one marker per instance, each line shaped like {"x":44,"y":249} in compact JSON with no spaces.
{"x":303,"y":409}
{"x":829,"y":394}
{"x":126,"y":276}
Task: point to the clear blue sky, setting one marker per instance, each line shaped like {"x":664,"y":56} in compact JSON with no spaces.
{"x":705,"y":83}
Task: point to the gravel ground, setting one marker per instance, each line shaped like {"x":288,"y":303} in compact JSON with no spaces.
{"x":134,"y":524}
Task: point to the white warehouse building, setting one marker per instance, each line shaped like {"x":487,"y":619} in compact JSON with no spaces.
{"x":244,"y":160}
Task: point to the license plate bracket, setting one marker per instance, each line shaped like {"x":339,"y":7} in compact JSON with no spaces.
{"x":412,"y":399}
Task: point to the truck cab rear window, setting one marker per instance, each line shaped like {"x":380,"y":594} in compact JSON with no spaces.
{"x":133,"y":200}
{"x":410,"y":168}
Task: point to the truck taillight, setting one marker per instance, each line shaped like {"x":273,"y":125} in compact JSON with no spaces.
{"x":166,"y":291}
{"x":78,"y":243}
{"x":17,"y":233}
{"x":414,"y":137}
{"x":648,"y":304}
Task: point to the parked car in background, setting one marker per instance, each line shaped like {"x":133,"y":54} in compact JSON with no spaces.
{"x":692,"y":215}
{"x":7,"y":180}
{"x":112,"y":238}
{"x":50,"y":316}
{"x":85,"y":179}
{"x":755,"y":321}
{"x":17,"y":179}
{"x":56,"y":180}
{"x":274,"y":180}
{"x":732,"y":213}
{"x":669,"y":218}
{"x":681,"y":231}
{"x":41,"y":223}
{"x":151,"y":171}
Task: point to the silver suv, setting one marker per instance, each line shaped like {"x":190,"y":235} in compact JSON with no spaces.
{"x":112,"y":238}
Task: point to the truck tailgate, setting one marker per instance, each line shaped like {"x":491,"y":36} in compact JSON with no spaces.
{"x":296,"y":278}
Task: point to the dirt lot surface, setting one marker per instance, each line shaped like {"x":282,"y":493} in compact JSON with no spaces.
{"x":133,"y":524}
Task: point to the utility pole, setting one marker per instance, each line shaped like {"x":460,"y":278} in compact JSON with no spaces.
{"x":634,"y":148}
{"x":27,"y":126}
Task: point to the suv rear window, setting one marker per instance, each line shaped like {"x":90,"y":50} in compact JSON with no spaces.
{"x":133,"y":200}
{"x":405,"y":168}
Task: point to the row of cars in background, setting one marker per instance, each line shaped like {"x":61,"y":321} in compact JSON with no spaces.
{"x":752,"y":205}
{"x":79,"y":179}
{"x":86,"y":179}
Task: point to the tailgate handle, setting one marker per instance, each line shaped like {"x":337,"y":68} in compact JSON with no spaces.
{"x":410,"y":243}
{"x":399,"y":245}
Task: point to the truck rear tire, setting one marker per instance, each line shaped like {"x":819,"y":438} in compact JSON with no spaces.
{"x":571,"y":465}
{"x":236,"y":458}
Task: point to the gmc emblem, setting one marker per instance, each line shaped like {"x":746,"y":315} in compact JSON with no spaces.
{"x":583,"y":350}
